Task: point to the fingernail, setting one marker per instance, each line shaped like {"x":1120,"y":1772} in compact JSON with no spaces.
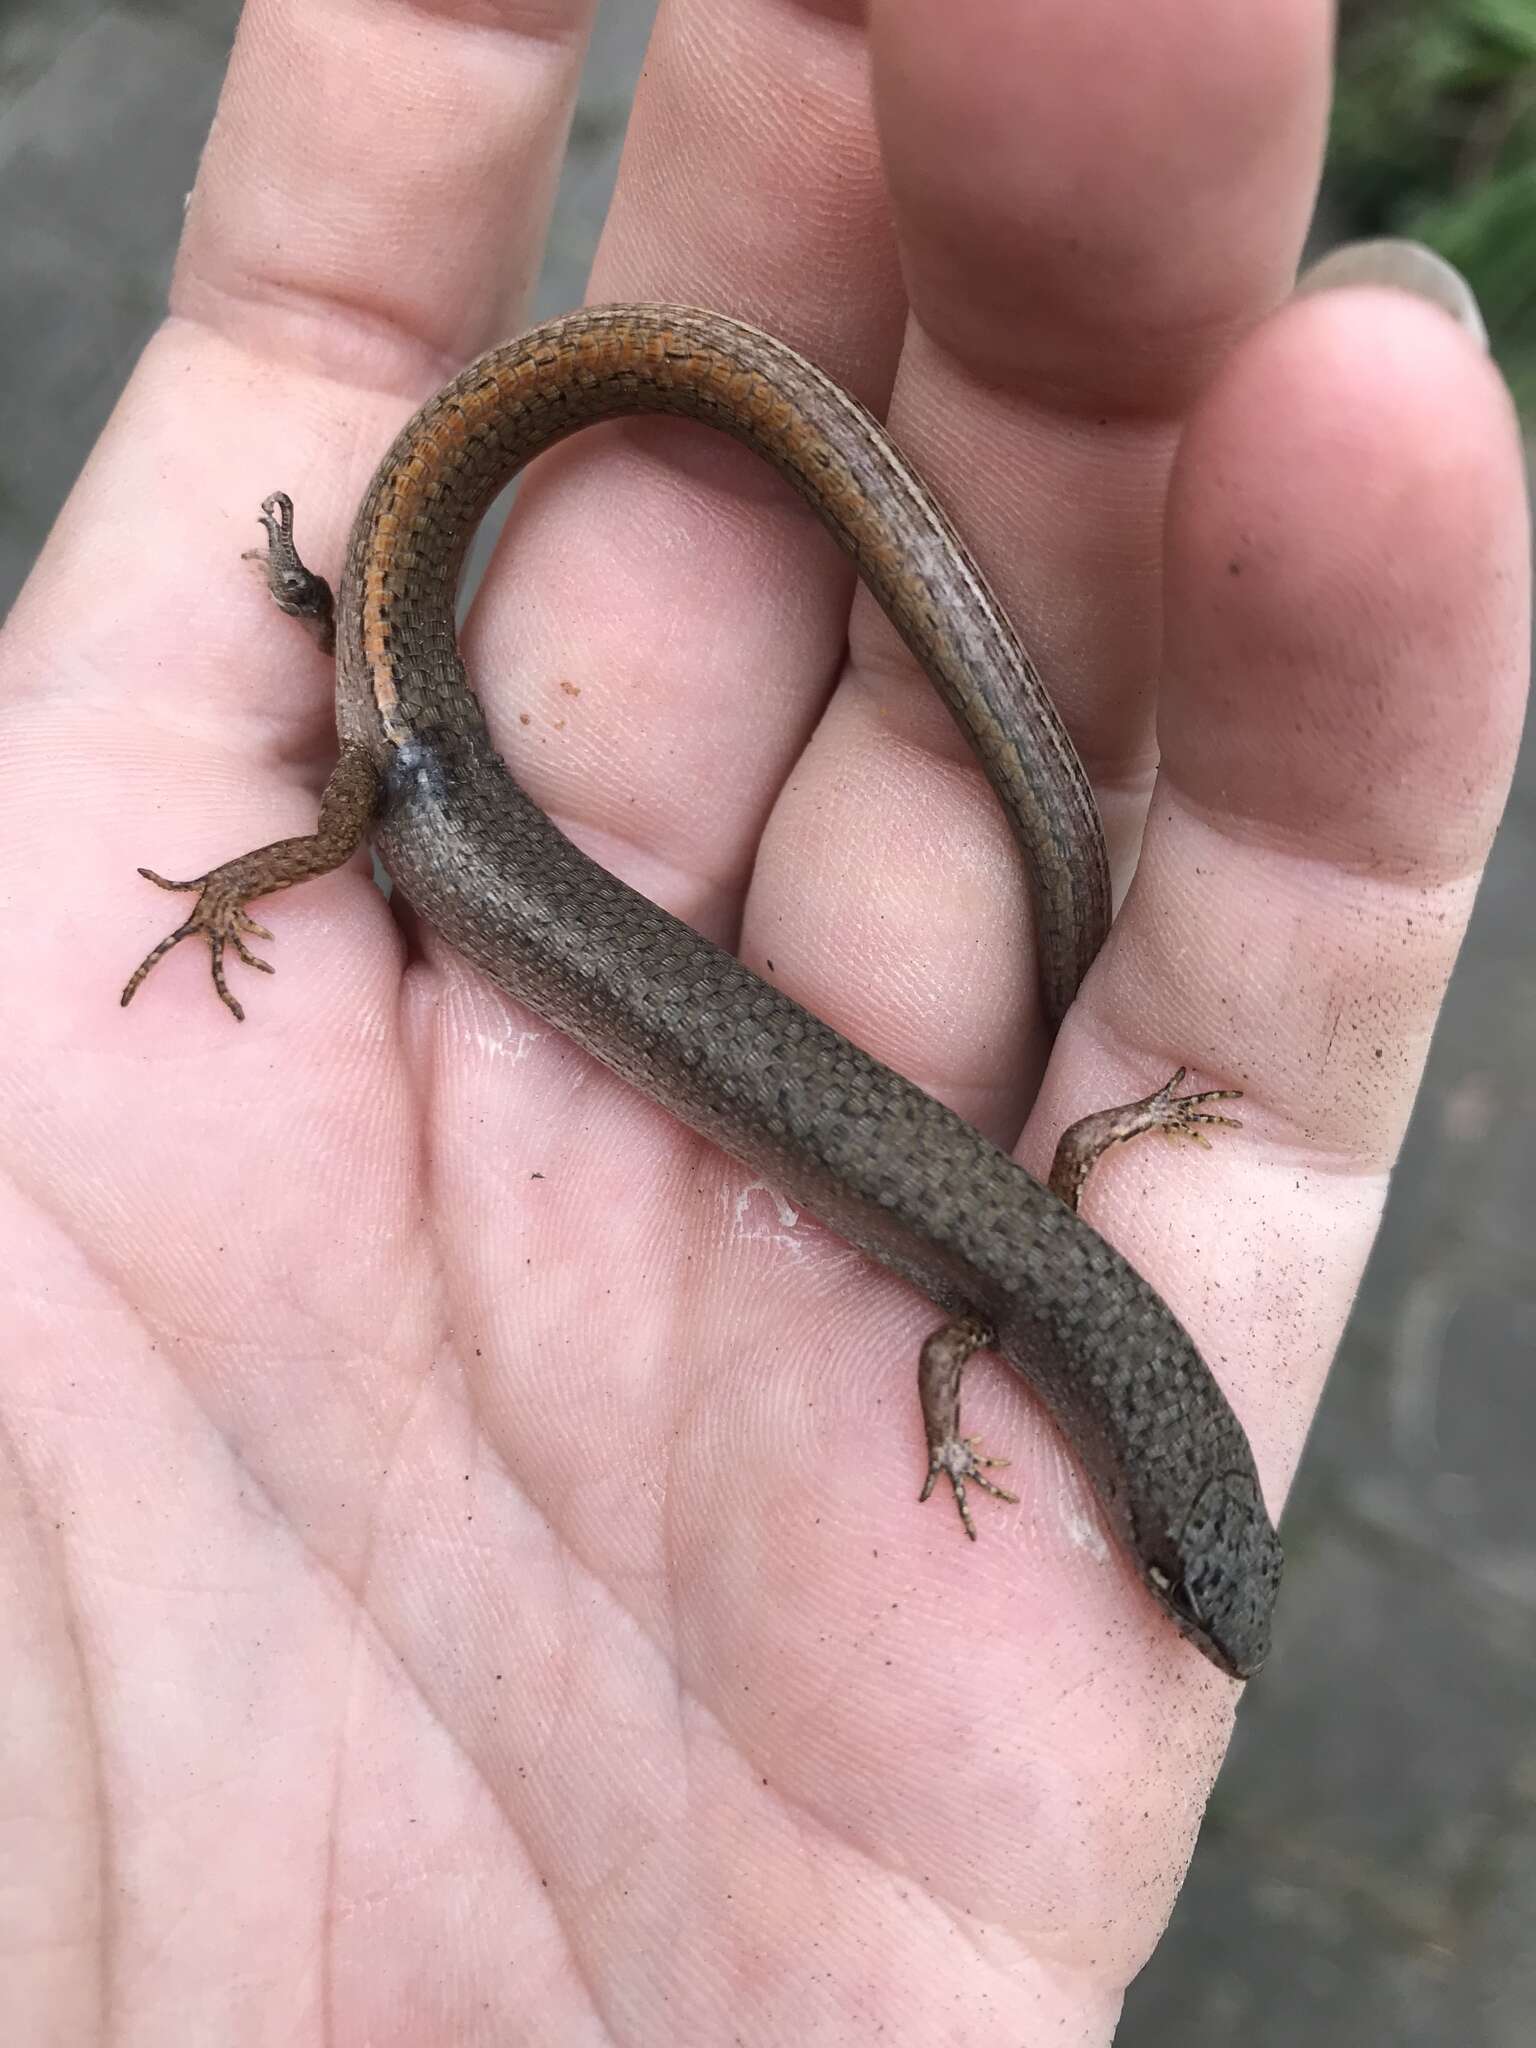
{"x":1408,"y":267}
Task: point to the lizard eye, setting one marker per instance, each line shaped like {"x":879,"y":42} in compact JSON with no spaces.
{"x":1175,"y":1591}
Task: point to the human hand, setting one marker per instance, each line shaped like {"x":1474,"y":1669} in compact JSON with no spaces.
{"x":466,"y":1530}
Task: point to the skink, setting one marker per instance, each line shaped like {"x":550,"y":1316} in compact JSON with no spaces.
{"x":1008,"y":1260}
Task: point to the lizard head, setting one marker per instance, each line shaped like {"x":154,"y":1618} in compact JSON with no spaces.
{"x":1218,"y":1576}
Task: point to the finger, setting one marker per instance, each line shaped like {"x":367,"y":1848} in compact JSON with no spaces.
{"x":368,"y":210}
{"x":1406,"y":266}
{"x":1348,"y":642}
{"x":671,"y":616}
{"x":348,"y":228}
{"x":377,"y":187}
{"x":1092,"y":202}
{"x":1077,"y":274}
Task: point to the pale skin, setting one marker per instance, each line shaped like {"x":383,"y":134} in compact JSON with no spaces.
{"x":463,"y":1572}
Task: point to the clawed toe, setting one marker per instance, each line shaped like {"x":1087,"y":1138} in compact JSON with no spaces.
{"x":221,"y":917}
{"x":1182,"y":1116}
{"x":963,"y":1463}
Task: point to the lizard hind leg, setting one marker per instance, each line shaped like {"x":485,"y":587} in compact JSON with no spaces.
{"x":347,"y":810}
{"x":295,"y":589}
{"x":348,"y":806}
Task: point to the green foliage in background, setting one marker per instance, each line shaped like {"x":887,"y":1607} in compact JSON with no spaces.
{"x":1434,"y":136}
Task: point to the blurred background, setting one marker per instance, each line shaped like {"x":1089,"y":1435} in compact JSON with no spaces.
{"x":1367,"y":1871}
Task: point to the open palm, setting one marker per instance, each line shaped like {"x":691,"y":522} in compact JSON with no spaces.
{"x":463,"y":1566}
